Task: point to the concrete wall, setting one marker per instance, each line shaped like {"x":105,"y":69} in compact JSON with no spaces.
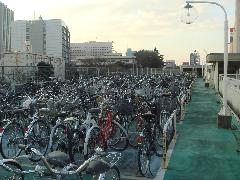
{"x":30,"y":61}
{"x":233,"y":93}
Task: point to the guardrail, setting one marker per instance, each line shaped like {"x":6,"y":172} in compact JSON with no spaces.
{"x":183,"y":102}
{"x":171,"y":122}
{"x":233,"y":92}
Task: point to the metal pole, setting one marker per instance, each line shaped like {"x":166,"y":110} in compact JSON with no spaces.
{"x":224,"y":109}
{"x":175,"y":126}
{"x":164,"y":149}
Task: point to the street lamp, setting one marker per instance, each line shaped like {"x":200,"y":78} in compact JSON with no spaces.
{"x":188,"y":20}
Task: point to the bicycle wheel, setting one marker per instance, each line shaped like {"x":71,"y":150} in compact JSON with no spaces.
{"x":133,"y":132}
{"x":118,"y":137}
{"x":112,"y":174}
{"x":178,"y":113}
{"x":59,"y":138}
{"x":158,"y":140}
{"x":38,"y":137}
{"x":144,"y":159}
{"x":170,"y":133}
{"x":6,"y":174}
{"x":77,"y":145}
{"x":93,"y":141}
{"x":12,"y":135}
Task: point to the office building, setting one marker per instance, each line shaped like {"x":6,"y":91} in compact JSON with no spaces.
{"x":90,"y":49}
{"x":194,"y":58}
{"x":6,"y":17}
{"x":46,"y":37}
{"x":130,"y":52}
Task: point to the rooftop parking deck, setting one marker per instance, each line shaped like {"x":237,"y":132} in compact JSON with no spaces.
{"x":202,"y":150}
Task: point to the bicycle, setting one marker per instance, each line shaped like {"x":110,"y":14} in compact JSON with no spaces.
{"x":98,"y":166}
{"x":150,"y":143}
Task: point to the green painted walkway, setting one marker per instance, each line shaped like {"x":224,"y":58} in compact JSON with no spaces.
{"x":202,"y":150}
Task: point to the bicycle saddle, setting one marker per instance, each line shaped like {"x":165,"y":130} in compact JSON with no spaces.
{"x":97,"y":167}
{"x":58,"y":158}
{"x":95,"y":110}
{"x":76,"y":114}
{"x":62,"y":114}
{"x":18,"y":111}
{"x":148,"y":115}
{"x":44,"y":110}
{"x":168,"y":94}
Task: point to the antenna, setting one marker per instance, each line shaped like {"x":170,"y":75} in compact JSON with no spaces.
{"x":33,"y":15}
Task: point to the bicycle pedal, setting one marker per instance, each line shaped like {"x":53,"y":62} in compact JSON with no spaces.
{"x":138,"y":174}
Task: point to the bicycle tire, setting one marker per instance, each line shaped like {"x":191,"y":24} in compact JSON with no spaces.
{"x":76,"y":145}
{"x":133,"y":133}
{"x":144,"y":160}
{"x":179,"y":111}
{"x":16,"y":132}
{"x":38,"y":137}
{"x":93,"y":141}
{"x":118,"y":139}
{"x":13,"y":165}
{"x":158,"y":140}
{"x":59,"y":138}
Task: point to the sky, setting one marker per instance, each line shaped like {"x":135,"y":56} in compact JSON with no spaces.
{"x":135,"y":24}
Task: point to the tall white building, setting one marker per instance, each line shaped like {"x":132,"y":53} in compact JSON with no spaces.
{"x":46,"y":37}
{"x":90,"y":49}
{"x":6,"y":17}
{"x":236,"y":36}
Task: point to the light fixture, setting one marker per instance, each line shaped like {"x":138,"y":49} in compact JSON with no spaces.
{"x":188,"y":14}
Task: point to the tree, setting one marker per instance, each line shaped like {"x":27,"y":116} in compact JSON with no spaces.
{"x":45,"y":70}
{"x":149,"y":58}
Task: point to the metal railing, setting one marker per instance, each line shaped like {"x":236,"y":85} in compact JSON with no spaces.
{"x":171,"y":122}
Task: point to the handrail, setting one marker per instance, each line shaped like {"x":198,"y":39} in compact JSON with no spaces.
{"x":171,"y":119}
{"x":233,"y":76}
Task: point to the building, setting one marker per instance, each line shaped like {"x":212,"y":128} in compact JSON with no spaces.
{"x":217,"y":61}
{"x":231,"y":45}
{"x":91,"y":49}
{"x":236,"y":33}
{"x":170,"y":64}
{"x":6,"y":17}
{"x":106,"y":59}
{"x":130,"y":52}
{"x":45,"y":37}
{"x":194,"y":58}
{"x":20,"y":66}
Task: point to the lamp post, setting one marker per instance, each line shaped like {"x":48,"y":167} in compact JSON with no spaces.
{"x":190,"y":20}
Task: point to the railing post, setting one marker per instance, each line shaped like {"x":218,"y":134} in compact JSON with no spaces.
{"x":164,"y":149}
{"x":175,"y":126}
{"x":182,"y":110}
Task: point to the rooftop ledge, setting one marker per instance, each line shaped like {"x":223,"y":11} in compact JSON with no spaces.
{"x":218,"y":57}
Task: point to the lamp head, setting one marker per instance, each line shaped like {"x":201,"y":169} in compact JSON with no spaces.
{"x":189,"y":14}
